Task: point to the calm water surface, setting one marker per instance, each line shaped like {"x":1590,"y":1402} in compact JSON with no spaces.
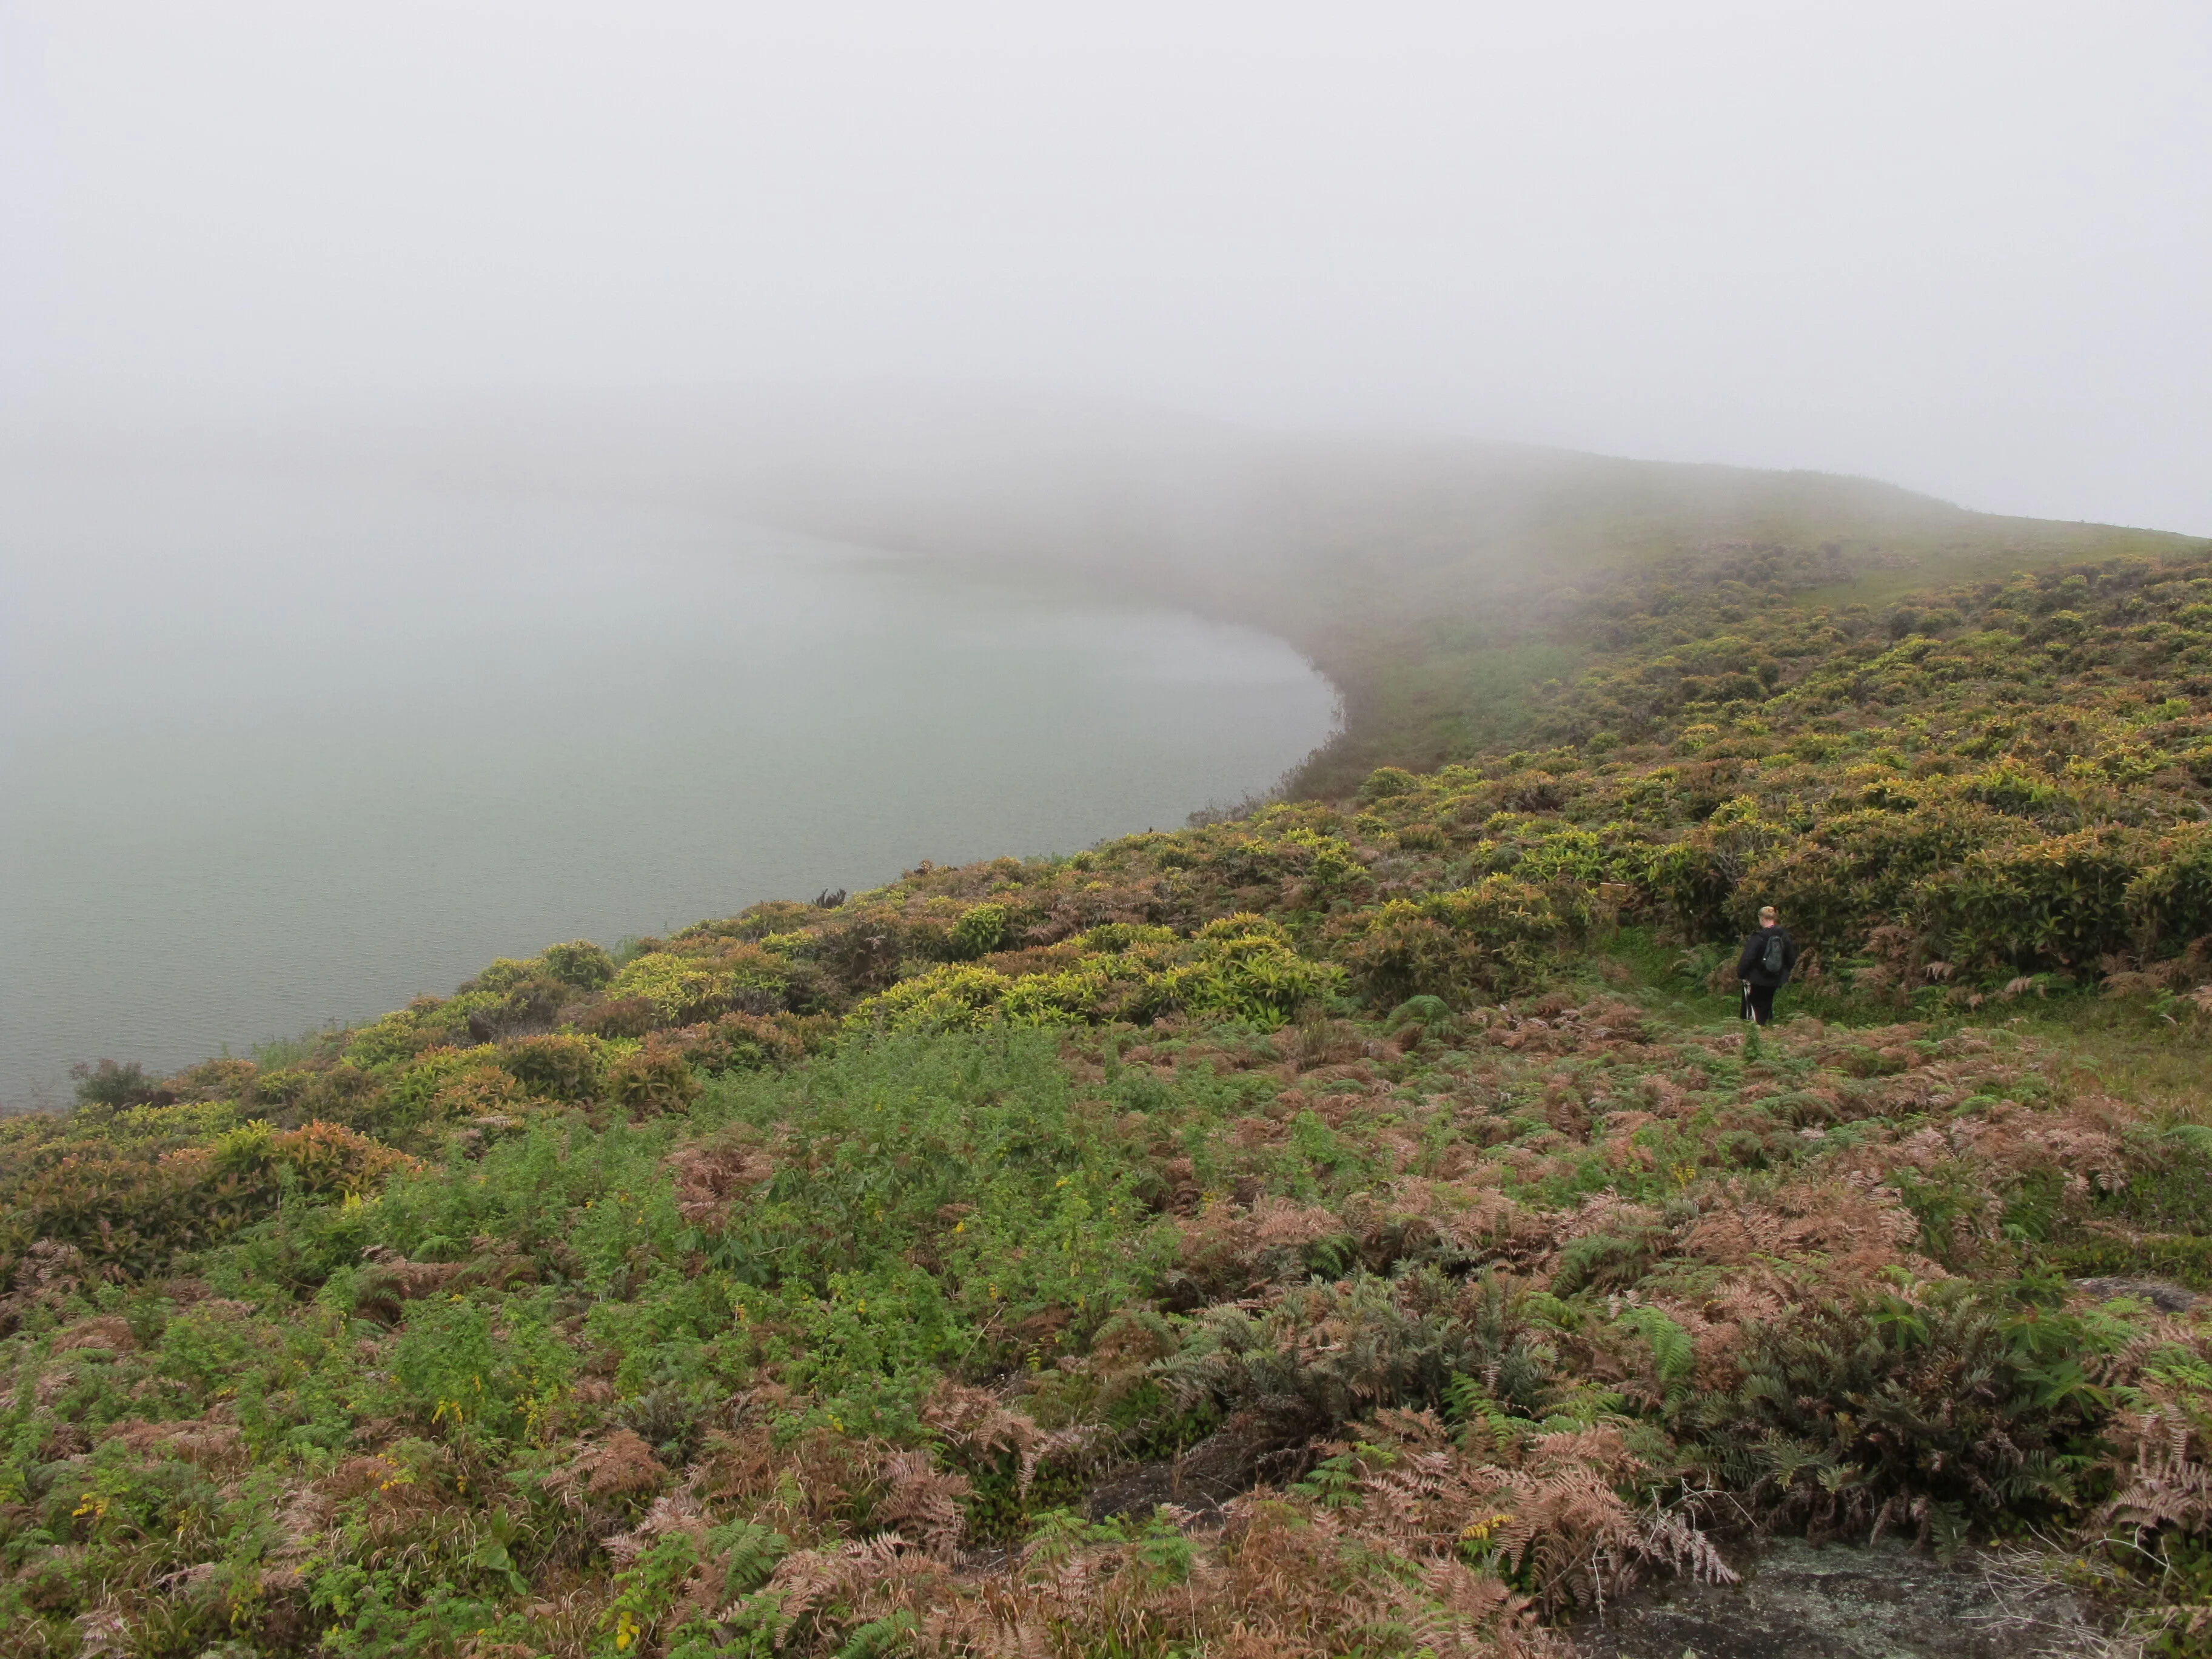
{"x":275,"y":753}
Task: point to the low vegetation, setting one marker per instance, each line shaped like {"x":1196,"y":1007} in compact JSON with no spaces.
{"x":1357,"y":1226}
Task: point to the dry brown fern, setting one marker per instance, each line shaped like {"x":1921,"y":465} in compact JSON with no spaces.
{"x":2166,"y":1486}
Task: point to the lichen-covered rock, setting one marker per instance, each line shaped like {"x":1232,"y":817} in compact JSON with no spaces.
{"x":1801,"y":1600}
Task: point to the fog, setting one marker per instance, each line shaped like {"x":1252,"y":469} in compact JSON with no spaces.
{"x":1964,"y":247}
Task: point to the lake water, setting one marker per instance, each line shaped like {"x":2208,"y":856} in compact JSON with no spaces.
{"x":274,"y":753}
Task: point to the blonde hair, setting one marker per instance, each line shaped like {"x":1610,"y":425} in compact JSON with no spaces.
{"x":1766,"y":913}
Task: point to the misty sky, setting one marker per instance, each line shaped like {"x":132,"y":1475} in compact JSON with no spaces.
{"x":1967,"y":247}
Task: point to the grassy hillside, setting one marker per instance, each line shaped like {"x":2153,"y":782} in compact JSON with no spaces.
{"x":1356,"y":1227}
{"x":1434,"y":669}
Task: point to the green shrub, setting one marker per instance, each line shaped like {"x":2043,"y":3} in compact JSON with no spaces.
{"x":395,"y":1039}
{"x":580,"y":964}
{"x":1246,"y":967}
{"x":1495,"y":937}
{"x":1385,"y":781}
{"x":738,"y":1042}
{"x":954,"y":998}
{"x":2058,"y":902}
{"x":132,"y":1214}
{"x":650,"y":1079}
{"x":2012,"y":789}
{"x":979,"y":932}
{"x":1400,"y":949}
{"x":109,"y":1084}
{"x":2169,"y":899}
{"x":680,"y":988}
{"x":504,"y":974}
{"x":561,"y":1067}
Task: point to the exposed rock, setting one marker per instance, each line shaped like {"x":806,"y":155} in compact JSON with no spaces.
{"x":2167,"y":1298}
{"x":1800,"y":1601}
{"x":1234,"y":1461}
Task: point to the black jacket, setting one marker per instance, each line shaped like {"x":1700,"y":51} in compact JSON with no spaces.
{"x":1752,"y":964}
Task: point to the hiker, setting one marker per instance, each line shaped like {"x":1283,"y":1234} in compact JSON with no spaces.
{"x":1763,"y":967}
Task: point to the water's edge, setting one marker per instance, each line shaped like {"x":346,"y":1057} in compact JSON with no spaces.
{"x":275,"y":753}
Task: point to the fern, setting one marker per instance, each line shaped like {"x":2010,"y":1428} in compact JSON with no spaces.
{"x":749,"y":1553}
{"x":1674,"y":1353}
{"x":879,"y":1637}
{"x":1417,"y":1011}
{"x":1486,"y":1426}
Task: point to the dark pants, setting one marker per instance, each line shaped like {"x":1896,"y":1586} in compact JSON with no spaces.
{"x":1758,"y":1003}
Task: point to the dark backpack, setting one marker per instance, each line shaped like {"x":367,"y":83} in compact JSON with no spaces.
{"x":1772,"y":959}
